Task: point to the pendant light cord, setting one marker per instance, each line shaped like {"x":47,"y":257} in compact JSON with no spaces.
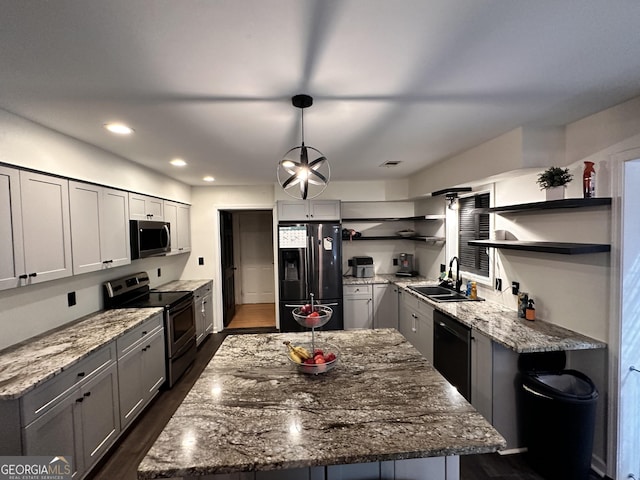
{"x":302,"y":124}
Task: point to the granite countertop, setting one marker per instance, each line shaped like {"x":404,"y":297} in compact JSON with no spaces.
{"x":499,"y":323}
{"x":28,"y":364}
{"x":382,"y":278}
{"x":251,"y":410}
{"x":182,"y":285}
{"x":502,"y":325}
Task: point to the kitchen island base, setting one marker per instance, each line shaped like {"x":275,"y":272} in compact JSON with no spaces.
{"x":383,"y":412}
{"x":433,"y":468}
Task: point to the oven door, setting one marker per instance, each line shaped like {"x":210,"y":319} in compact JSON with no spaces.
{"x":181,"y":326}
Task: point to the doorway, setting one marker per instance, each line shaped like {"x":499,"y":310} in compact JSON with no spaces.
{"x":247,"y":264}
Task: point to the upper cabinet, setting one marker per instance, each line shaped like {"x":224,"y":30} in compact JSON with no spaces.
{"x":11,"y":244}
{"x":46,"y":231}
{"x":99,"y":227}
{"x":308,"y":210}
{"x":142,"y":207}
{"x":179,"y":217}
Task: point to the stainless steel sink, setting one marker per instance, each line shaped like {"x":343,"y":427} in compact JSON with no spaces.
{"x":442,"y":294}
{"x":434,"y":290}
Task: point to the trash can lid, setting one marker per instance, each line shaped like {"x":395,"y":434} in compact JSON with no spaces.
{"x":566,"y":384}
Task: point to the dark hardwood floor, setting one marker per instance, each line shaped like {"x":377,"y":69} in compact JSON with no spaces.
{"x":122,"y":461}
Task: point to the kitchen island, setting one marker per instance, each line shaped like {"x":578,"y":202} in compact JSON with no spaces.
{"x":383,"y":410}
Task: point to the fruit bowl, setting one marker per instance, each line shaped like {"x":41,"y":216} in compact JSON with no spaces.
{"x":312,"y":318}
{"x":329,"y":354}
{"x":406,"y":233}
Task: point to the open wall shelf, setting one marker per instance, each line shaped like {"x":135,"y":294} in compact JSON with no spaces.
{"x":417,"y":238}
{"x":563,"y":248}
{"x":395,"y":219}
{"x":553,"y":204}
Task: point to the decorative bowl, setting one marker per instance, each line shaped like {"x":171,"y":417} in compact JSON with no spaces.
{"x":406,"y":233}
{"x":304,"y":319}
{"x":318,"y":368}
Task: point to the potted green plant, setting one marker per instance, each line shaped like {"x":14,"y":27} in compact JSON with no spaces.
{"x":554,"y":181}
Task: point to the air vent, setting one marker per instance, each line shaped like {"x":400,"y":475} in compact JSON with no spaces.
{"x":391,"y":163}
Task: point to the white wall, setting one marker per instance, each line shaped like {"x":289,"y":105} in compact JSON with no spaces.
{"x":27,"y":144}
{"x":34,"y":309}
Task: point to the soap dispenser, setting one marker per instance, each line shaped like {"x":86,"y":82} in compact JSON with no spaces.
{"x":530,"y":312}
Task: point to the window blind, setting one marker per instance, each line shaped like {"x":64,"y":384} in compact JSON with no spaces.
{"x":473,"y":225}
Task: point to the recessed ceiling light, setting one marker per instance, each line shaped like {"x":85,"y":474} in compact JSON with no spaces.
{"x":208,"y":179}
{"x":178,"y":162}
{"x":119,"y":128}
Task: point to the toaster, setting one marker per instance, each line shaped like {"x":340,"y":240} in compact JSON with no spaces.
{"x":363,"y":267}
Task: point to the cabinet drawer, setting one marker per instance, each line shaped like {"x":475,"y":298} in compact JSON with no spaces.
{"x":355,"y":291}
{"x":202,"y":291}
{"x":149,"y":327}
{"x":46,"y":396}
{"x":411,"y":301}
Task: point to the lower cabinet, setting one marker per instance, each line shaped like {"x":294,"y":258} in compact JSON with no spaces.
{"x":80,"y":412}
{"x":415,"y":322}
{"x":385,"y":305}
{"x":482,"y":374}
{"x":358,"y":306}
{"x":141,"y":367}
{"x":203,"y":311}
{"x":83,"y":422}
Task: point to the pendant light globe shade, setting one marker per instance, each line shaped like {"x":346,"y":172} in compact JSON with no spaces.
{"x":304,"y":172}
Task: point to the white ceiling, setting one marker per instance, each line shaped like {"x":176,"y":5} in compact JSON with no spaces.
{"x":410,"y":80}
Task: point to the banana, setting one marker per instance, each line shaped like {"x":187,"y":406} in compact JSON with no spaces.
{"x":294,"y":357}
{"x":297,"y":354}
{"x":302,"y":352}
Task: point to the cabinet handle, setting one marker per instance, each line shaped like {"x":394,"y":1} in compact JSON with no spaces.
{"x":108,"y":261}
{"x":79,"y":400}
{"x":81,"y":374}
{"x":144,"y":333}
{"x":88,"y":394}
{"x":34,"y":274}
{"x":23,"y":276}
{"x":144,"y":349}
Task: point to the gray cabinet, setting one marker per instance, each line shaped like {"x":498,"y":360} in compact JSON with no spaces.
{"x":385,"y":305}
{"x":11,"y":243}
{"x":304,"y":210}
{"x":99,"y":227}
{"x":141,"y":367}
{"x":482,"y":374}
{"x":415,"y":322}
{"x":75,"y":413}
{"x":46,"y":231}
{"x":179,"y":217}
{"x":56,"y":433}
{"x":143,"y":207}
{"x":203,"y":311}
{"x":358,"y":306}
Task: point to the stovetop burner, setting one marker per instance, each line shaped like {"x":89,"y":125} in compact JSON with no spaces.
{"x":133,"y":291}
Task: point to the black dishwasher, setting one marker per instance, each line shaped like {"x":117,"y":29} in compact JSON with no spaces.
{"x":452,"y":352}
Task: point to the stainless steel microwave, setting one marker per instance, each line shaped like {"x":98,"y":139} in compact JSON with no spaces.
{"x":149,"y":238}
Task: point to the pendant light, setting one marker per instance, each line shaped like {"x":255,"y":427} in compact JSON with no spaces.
{"x":304,"y":171}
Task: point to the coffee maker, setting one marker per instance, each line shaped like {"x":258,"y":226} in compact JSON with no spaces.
{"x":406,"y":266}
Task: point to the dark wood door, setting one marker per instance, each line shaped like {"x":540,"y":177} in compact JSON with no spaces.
{"x":228,"y":268}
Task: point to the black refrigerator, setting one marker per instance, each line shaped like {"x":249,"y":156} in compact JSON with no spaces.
{"x":309,"y":261}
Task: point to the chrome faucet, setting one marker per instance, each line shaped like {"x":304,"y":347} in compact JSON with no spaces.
{"x":458,"y":283}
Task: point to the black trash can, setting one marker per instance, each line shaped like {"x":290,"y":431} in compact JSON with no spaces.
{"x":558,"y":412}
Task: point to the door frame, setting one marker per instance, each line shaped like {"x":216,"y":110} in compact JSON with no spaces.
{"x":218,"y":325}
{"x":618,"y":460}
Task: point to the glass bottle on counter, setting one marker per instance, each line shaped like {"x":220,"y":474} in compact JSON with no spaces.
{"x":589,"y":180}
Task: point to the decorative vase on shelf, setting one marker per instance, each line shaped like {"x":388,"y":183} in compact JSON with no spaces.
{"x":589,"y":180}
{"x":555,"y":193}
